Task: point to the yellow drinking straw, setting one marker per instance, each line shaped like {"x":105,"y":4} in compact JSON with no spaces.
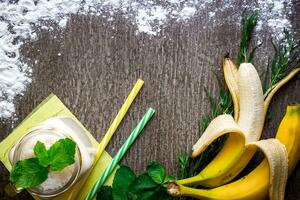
{"x":114,"y":125}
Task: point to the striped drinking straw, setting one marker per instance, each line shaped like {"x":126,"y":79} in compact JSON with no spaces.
{"x":114,"y":162}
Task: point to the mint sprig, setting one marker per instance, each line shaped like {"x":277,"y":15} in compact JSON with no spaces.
{"x":31,"y":172}
{"x":147,"y":186}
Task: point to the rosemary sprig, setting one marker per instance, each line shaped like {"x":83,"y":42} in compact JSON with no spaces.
{"x":183,"y":164}
{"x":285,"y":58}
{"x":222,"y":104}
{"x":248,"y":24}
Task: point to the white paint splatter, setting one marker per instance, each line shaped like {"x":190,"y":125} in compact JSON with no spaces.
{"x":17,"y":22}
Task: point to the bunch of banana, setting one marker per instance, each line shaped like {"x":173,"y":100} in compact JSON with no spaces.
{"x":270,"y":174}
{"x":249,"y":113}
{"x":244,"y":129}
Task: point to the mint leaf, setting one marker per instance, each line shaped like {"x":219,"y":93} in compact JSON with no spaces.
{"x":156,"y":193}
{"x":41,"y":153}
{"x":61,"y":154}
{"x":105,"y":193}
{"x":28,"y":173}
{"x":146,"y":195}
{"x":123,"y":178}
{"x":142,"y":183}
{"x":156,"y":171}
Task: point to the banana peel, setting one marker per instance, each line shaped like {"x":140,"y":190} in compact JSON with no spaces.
{"x":244,"y":129}
{"x":231,"y":78}
{"x":249,"y":152}
{"x":221,"y":171}
{"x":269,"y":177}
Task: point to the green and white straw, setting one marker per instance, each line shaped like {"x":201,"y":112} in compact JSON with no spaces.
{"x":114,"y":162}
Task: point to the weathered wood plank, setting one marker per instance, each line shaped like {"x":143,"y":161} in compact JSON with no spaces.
{"x":101,"y":60}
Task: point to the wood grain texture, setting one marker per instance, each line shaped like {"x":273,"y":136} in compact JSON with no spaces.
{"x":100,"y":62}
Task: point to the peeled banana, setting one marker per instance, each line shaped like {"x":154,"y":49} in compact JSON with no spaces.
{"x":246,"y":129}
{"x":269,"y":177}
{"x":236,"y":152}
{"x":249,"y":152}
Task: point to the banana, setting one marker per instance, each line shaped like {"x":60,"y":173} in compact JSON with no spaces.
{"x":220,"y":171}
{"x":249,"y":152}
{"x":269,"y":177}
{"x":247,"y":129}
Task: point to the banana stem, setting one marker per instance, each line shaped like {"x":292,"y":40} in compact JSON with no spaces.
{"x":177,"y":190}
{"x":174,"y":189}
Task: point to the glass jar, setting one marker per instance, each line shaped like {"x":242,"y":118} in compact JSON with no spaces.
{"x":49,"y":132}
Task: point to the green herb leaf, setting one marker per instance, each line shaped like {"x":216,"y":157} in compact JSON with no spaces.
{"x":285,"y":57}
{"x":142,"y":183}
{"x":156,"y":171}
{"x":105,"y":193}
{"x":149,"y":194}
{"x":123,"y":178}
{"x":28,"y":173}
{"x":248,"y":24}
{"x":61,"y":154}
{"x":203,"y":124}
{"x":158,"y":194}
{"x":183,"y":163}
{"x":146,"y":195}
{"x":40,"y":152}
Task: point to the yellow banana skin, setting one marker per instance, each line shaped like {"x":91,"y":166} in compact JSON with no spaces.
{"x":232,"y":172}
{"x":252,"y":187}
{"x":251,"y":120}
{"x":249,"y":152}
{"x":213,"y":175}
{"x":232,"y":149}
{"x":256,"y":184}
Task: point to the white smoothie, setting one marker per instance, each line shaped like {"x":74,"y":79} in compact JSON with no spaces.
{"x":48,"y":133}
{"x":56,"y":179}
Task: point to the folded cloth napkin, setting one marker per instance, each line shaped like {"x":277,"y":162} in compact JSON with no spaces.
{"x":52,"y":107}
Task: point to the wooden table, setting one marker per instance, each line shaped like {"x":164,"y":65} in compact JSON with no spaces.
{"x":99,"y":65}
